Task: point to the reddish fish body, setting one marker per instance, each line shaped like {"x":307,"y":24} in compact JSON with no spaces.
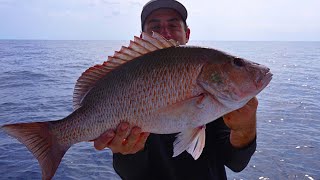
{"x":154,"y":84}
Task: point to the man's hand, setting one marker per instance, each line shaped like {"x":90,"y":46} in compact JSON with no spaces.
{"x":119,"y":142}
{"x":242,"y":123}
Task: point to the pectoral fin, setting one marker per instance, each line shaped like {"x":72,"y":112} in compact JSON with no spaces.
{"x":192,"y":140}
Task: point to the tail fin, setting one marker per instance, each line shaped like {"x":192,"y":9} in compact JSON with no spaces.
{"x":38,"y":138}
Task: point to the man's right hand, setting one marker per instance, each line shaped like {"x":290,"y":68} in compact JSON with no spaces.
{"x":118,"y":142}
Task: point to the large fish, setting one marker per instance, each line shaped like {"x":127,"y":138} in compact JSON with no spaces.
{"x":154,"y":84}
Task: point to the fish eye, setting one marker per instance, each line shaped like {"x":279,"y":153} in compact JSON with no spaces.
{"x":238,"y":62}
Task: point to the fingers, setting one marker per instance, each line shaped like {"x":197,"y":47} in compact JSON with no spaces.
{"x":250,"y":107}
{"x":120,"y":137}
{"x":141,"y":142}
{"x":131,"y":140}
{"x":120,"y":141}
{"x":135,"y":141}
{"x":253,"y":102}
{"x":110,"y":138}
{"x":102,"y":141}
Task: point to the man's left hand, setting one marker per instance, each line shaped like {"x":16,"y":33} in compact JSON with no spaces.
{"x":242,"y":123}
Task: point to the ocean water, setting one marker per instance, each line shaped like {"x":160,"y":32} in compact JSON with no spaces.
{"x":37,"y":80}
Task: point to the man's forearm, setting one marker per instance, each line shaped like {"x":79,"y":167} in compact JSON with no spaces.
{"x":238,"y":158}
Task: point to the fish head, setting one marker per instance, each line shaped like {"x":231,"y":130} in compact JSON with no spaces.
{"x":233,"y":81}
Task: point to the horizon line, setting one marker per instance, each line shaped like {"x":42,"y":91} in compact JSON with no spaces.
{"x":131,"y":39}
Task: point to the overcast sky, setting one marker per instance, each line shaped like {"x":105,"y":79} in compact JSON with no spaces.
{"x":293,"y":20}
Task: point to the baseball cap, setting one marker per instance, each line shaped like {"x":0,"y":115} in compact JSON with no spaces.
{"x":157,"y":4}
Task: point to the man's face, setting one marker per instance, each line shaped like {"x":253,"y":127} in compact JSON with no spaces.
{"x":169,"y":24}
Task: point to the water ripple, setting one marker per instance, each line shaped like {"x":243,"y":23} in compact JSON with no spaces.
{"x":37,"y":80}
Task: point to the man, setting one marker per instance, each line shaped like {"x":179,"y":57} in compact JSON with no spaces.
{"x":230,"y":141}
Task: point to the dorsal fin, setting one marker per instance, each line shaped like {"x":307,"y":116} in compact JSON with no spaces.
{"x":136,"y":48}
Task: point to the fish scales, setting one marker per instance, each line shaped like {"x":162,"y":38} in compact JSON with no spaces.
{"x":135,"y":91}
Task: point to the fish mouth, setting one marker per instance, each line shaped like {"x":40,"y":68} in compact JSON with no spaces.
{"x":264,"y":81}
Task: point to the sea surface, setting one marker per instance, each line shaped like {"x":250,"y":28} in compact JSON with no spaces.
{"x":37,"y":80}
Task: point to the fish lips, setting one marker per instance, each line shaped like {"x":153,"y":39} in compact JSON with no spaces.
{"x":264,"y":80}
